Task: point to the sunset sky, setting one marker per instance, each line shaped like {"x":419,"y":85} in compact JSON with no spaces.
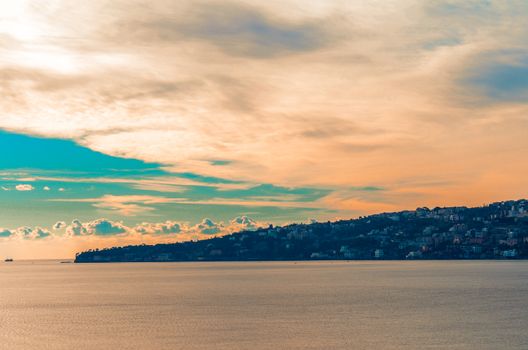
{"x":127,"y":122}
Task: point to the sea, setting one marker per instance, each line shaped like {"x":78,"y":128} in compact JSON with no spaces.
{"x":265,"y":305}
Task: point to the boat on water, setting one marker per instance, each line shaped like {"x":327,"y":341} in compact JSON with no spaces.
{"x":8,"y":260}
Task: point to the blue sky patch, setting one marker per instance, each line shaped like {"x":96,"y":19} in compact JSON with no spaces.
{"x":31,"y":152}
{"x":500,"y":80}
{"x":43,"y":180}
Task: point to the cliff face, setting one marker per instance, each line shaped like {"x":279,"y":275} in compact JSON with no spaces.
{"x":495,"y":231}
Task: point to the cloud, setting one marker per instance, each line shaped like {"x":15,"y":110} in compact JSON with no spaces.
{"x":24,"y":187}
{"x":233,"y":27}
{"x":76,"y":229}
{"x":243,"y":223}
{"x":125,"y":205}
{"x":244,"y":30}
{"x":182,"y":230}
{"x":208,"y":227}
{"x":163,"y":228}
{"x":59,"y":225}
{"x":131,"y":205}
{"x":165,"y":183}
{"x":461,"y":9}
{"x":38,"y":233}
{"x":99,"y":227}
{"x":26,"y":233}
{"x":204,"y":227}
{"x":103,"y":227}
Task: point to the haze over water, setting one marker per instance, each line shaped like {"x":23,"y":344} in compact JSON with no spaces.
{"x":265,"y":305}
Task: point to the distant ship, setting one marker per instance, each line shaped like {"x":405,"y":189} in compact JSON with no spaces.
{"x":8,"y":260}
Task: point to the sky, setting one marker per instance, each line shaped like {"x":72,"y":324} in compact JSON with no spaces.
{"x":129,"y":122}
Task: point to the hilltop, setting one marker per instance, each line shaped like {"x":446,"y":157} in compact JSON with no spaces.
{"x":495,"y":231}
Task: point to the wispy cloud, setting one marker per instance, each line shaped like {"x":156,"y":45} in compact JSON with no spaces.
{"x":125,"y":205}
{"x":128,"y":205}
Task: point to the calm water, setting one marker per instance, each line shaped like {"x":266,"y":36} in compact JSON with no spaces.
{"x":308,"y":305}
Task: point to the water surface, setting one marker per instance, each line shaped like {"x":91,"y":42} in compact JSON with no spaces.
{"x":265,"y":305}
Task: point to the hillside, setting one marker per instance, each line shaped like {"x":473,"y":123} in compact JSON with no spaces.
{"x":495,"y":231}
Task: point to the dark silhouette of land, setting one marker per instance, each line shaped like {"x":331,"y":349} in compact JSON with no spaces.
{"x":494,"y":231}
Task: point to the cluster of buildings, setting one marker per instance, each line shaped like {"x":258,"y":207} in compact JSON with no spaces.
{"x":495,"y":231}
